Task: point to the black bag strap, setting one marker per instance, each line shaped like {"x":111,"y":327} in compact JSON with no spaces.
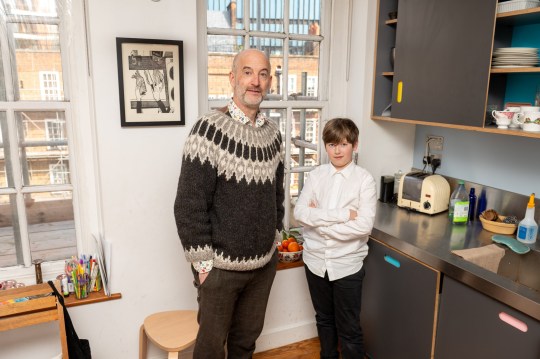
{"x":77,"y":348}
{"x":56,"y":294}
{"x":70,"y":329}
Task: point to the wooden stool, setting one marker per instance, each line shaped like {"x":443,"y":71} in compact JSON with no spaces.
{"x":172,"y":331}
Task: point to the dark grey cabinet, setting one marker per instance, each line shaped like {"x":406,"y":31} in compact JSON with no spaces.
{"x":472,"y":325}
{"x":399,"y":299}
{"x":442,"y":66}
{"x":442,"y":74}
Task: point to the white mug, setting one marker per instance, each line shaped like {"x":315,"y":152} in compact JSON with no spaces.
{"x":530,"y":117}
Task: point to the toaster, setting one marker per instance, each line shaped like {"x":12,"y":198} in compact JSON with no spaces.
{"x":424,"y":193}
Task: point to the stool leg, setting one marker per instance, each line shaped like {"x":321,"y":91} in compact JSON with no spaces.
{"x":173,"y":355}
{"x":142,"y":343}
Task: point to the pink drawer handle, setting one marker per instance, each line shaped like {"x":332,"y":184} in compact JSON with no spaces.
{"x":516,"y":323}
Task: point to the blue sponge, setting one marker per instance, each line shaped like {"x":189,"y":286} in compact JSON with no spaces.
{"x":512,"y":243}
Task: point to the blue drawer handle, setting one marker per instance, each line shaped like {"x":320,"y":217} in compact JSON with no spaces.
{"x":392,"y":261}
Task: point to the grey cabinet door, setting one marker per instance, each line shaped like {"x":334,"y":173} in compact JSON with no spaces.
{"x":443,"y":54}
{"x":473,"y":325}
{"x":399,"y":298}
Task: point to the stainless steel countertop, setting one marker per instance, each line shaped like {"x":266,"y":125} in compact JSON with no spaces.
{"x":430,"y":239}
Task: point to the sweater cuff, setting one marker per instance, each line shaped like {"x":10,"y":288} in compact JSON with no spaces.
{"x":203,"y":266}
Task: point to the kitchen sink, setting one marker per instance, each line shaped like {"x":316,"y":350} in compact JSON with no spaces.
{"x":521,"y":268}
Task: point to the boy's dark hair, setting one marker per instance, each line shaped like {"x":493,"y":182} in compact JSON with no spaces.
{"x":339,"y":129}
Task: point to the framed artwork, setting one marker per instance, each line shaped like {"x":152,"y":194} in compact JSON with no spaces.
{"x":151,"y":81}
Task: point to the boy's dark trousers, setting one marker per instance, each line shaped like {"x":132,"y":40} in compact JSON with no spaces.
{"x":337,"y":306}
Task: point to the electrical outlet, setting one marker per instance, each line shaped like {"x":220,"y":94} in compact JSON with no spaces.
{"x":435,"y":142}
{"x":436,"y":156}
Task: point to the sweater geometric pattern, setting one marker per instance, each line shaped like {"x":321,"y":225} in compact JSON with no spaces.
{"x":229,"y":204}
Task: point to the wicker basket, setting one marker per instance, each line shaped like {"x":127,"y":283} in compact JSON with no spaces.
{"x":498,"y":227}
{"x":515,"y":5}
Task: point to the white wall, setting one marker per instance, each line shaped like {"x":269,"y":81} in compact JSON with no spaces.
{"x":511,"y":163}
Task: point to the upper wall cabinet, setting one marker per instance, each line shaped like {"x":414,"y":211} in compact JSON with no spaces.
{"x":433,"y":63}
{"x":443,"y":54}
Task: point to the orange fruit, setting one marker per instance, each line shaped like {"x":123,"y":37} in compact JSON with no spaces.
{"x":293,"y":247}
{"x":280,"y":248}
{"x":301,"y":247}
{"x":285,"y":244}
{"x":291,"y":239}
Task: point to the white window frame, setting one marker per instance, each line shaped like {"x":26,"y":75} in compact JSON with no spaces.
{"x":80,"y":124}
{"x":322,"y":103}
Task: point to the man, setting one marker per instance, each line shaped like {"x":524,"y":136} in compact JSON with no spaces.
{"x":229,"y":212}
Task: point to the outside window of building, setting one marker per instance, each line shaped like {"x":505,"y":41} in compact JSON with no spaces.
{"x":36,"y":193}
{"x":59,"y":173}
{"x":312,"y":86}
{"x":292,"y":34}
{"x":292,"y":84}
{"x":49,"y":85}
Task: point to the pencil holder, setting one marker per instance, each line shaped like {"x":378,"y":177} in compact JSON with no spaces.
{"x":81,"y":286}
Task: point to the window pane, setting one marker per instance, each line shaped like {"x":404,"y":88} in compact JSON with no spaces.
{"x":305,"y":17}
{"x":274,"y":50}
{"x":221,"y":52}
{"x":6,"y":169}
{"x":225,"y":14}
{"x":278,"y":116}
{"x":266,"y":15}
{"x":303,"y":70}
{"x":30,"y":7}
{"x":50,"y":225}
{"x":39,"y":64}
{"x":305,"y":130}
{"x":9,"y":243}
{"x":44,"y":149}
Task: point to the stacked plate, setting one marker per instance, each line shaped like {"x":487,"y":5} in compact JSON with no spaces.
{"x":507,"y":57}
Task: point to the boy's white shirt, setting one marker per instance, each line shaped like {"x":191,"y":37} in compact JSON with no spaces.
{"x":333,"y":243}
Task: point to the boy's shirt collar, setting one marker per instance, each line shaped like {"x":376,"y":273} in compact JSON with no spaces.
{"x":344,"y":171}
{"x":237,"y":114}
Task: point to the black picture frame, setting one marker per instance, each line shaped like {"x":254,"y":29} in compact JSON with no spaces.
{"x":151,"y":82}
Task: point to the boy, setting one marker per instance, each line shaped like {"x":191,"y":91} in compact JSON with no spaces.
{"x":337,"y":209}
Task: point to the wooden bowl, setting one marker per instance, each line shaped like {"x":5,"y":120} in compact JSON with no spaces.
{"x":498,"y":227}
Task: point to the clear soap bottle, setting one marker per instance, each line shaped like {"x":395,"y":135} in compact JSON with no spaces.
{"x":528,"y":228}
{"x":458,"y":209}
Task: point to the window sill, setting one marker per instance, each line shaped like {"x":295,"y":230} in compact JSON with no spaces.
{"x":289,"y":265}
{"x":93,"y":297}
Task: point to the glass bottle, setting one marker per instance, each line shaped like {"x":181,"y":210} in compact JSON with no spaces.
{"x":458,"y":210}
{"x":472,"y":205}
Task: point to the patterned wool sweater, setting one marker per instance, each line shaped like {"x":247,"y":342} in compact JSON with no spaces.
{"x":230,"y":195}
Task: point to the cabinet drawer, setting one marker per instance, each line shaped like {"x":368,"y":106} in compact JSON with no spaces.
{"x":399,"y":301}
{"x":473,"y":325}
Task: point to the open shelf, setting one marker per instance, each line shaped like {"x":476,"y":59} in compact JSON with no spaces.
{"x":520,"y":17}
{"x":514,"y":70}
{"x":488,"y":129}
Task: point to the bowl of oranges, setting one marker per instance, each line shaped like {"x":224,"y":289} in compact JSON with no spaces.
{"x":290,"y":248}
